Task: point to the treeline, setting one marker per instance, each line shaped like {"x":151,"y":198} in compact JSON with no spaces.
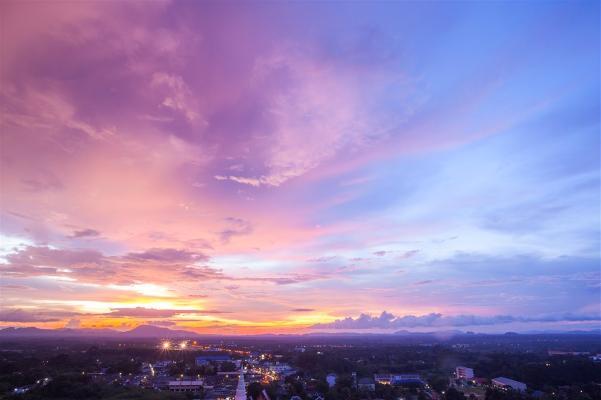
{"x":81,"y":387}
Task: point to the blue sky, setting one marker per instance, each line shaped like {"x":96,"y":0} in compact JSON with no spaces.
{"x":297,"y":167}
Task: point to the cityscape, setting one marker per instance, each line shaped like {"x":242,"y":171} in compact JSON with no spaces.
{"x":300,"y":200}
{"x":315,"y":367}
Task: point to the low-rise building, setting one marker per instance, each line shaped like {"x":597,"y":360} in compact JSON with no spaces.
{"x":464,"y":373}
{"x":207,"y":358}
{"x":366,"y":384}
{"x":282,"y":369}
{"x":398,"y":379}
{"x":506,"y":383}
{"x":185,"y":386}
{"x":383,"y":379}
{"x":407,"y":379}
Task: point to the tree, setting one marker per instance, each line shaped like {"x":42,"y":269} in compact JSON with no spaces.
{"x":227,"y":366}
{"x":253,"y":390}
{"x":454,"y":394}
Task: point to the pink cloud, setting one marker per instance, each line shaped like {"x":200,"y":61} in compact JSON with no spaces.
{"x":202,"y":148}
{"x":140,"y":312}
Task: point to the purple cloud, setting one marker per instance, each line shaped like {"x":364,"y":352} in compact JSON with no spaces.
{"x":237,"y":227}
{"x":390,"y":321}
{"x":84,"y":233}
{"x":141,"y":312}
{"x":161,"y":323}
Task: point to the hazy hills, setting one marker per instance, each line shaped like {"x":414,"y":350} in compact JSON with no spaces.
{"x":142,"y":331}
{"x":151,"y":331}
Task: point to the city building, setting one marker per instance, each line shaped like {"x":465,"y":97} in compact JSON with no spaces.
{"x":383,"y":379}
{"x":464,"y":373}
{"x":207,"y":358}
{"x":282,"y":369}
{"x":185,"y":386}
{"x":506,"y":383}
{"x":366,"y":384}
{"x":398,"y":379}
{"x":407,"y":379}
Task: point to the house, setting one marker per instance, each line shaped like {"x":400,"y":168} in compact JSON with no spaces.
{"x":464,"y":373}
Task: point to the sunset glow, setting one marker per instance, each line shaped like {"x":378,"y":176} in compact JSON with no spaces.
{"x":300,"y":167}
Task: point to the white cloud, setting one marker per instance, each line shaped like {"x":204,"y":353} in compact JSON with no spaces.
{"x":390,"y":321}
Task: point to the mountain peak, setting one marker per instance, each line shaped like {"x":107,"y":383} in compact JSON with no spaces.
{"x":156,"y":331}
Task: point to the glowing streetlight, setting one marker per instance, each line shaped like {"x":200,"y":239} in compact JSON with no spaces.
{"x":166,"y":345}
{"x":183,"y":345}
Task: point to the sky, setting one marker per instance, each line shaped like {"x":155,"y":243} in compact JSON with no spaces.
{"x":265,"y":167}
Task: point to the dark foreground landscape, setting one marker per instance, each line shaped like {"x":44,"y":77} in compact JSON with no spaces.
{"x":155,"y":363}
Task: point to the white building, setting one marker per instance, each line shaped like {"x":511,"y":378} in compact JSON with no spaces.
{"x":241,"y":389}
{"x":464,"y":373}
{"x":506,"y":383}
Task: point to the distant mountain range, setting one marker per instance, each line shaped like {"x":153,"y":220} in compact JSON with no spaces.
{"x":142,"y":331}
{"x":151,"y":331}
